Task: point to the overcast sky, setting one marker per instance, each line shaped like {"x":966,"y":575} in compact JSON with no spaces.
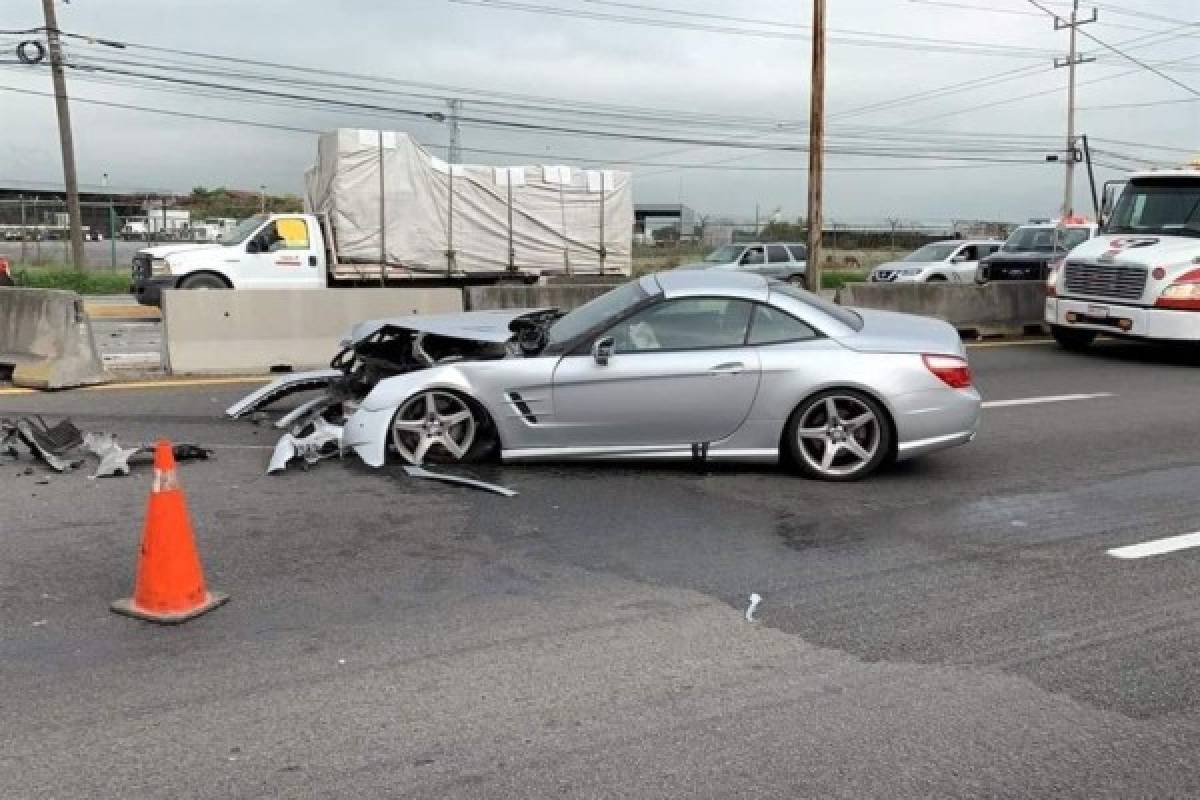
{"x":668,"y":68}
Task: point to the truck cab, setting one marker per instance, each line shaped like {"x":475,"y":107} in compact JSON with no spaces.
{"x":1140,"y":278}
{"x":265,"y":251}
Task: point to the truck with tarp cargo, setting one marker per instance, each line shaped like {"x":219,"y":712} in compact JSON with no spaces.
{"x":382,"y":211}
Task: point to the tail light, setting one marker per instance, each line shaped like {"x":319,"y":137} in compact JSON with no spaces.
{"x":1052,"y":277}
{"x":954,"y":371}
{"x":1183,"y":294}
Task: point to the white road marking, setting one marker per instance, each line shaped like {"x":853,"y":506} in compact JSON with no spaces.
{"x":1157,"y":546}
{"x":1054,"y":398}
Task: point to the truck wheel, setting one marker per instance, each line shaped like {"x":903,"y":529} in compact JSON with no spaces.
{"x":202,"y":281}
{"x":1072,"y":338}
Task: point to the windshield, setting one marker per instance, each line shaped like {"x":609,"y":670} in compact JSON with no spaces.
{"x":243,"y":230}
{"x":1168,"y":206}
{"x":595,"y":313}
{"x":725,"y":255}
{"x":933,"y":252}
{"x":840,"y":313}
{"x":1042,"y":239}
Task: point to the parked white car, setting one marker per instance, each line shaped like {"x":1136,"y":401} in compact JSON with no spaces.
{"x":953,"y":261}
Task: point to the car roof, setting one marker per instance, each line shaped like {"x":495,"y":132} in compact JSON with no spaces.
{"x":690,"y":282}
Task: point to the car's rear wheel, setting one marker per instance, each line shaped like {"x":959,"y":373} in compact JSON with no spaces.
{"x":1072,"y":338}
{"x":440,"y":426}
{"x":839,"y":435}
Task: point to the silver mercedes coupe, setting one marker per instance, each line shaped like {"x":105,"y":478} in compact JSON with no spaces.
{"x":704,"y":365}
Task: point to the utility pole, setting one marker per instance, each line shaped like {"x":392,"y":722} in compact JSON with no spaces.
{"x":64,"y":135}
{"x":454,"y":154}
{"x":816,"y":145}
{"x":1070,"y":62}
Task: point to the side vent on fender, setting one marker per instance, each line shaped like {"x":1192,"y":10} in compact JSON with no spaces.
{"x":523,"y":407}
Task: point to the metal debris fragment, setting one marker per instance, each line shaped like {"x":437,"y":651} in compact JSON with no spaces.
{"x":421,"y":472}
{"x":114,"y":459}
{"x":323,"y":441}
{"x":50,"y":444}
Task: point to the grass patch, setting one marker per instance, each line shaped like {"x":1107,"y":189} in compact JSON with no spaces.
{"x":82,"y":282}
{"x":836,"y":279}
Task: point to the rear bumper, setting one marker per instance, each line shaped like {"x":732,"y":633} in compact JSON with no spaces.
{"x":1144,"y":323}
{"x":934,"y":420}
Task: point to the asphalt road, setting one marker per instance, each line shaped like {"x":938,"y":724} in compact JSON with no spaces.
{"x":953,"y":627}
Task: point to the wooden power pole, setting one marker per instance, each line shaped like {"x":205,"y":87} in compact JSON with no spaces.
{"x":816,"y":147}
{"x":78,"y":258}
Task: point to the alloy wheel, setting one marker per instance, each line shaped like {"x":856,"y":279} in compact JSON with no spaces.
{"x":839,"y":435}
{"x":433,"y":422}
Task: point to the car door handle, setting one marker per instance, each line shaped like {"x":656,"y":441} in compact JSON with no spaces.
{"x":728,"y":368}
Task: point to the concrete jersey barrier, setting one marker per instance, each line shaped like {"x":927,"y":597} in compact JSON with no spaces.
{"x":564,"y":296}
{"x":1006,"y":307}
{"x":46,"y":337}
{"x":255,"y":331}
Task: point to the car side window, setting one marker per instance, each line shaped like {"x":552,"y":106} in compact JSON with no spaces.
{"x":771,"y":326}
{"x":753,"y":255}
{"x":689,"y":323}
{"x":777,"y":254}
{"x":968,"y":253}
{"x":799,"y":253}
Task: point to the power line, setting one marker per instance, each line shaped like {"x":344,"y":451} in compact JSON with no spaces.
{"x":867,"y":39}
{"x":1123,"y":54}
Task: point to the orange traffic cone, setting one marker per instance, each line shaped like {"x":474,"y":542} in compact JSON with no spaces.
{"x":169,"y":587}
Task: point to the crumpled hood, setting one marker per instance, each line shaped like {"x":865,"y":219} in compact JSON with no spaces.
{"x":476,"y":326}
{"x":895,"y":265}
{"x":165,"y":250}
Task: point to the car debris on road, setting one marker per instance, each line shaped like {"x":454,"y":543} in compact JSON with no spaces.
{"x":64,"y":447}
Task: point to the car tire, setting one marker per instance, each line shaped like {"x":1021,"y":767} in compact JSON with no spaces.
{"x":454,"y":439}
{"x":203,"y":280}
{"x":859,"y":429}
{"x":1072,"y":339}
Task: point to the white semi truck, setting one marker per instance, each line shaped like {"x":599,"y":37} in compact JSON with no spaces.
{"x":1140,"y":277}
{"x":380,"y":210}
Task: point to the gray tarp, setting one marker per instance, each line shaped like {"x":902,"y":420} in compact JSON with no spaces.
{"x":557,"y":212}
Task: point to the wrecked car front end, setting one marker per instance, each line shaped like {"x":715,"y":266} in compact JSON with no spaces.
{"x":353,"y":412}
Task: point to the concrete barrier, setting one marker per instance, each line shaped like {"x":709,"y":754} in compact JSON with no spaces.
{"x":46,"y":337}
{"x":1000,"y":307}
{"x":566,"y":297}
{"x":262,"y":330}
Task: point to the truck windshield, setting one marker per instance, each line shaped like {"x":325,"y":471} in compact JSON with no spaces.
{"x":1166,"y":206}
{"x":243,"y":230}
{"x":933,"y":252}
{"x":1028,"y":238}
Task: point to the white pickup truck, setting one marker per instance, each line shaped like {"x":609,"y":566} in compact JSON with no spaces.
{"x":275,"y":251}
{"x":1140,"y":277}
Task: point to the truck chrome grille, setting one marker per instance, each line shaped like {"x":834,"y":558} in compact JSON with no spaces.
{"x":1106,"y":280}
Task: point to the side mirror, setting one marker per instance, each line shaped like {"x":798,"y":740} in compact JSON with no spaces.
{"x":253,"y":246}
{"x":602,"y":350}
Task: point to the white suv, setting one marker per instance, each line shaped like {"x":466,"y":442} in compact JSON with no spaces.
{"x":954,"y":261}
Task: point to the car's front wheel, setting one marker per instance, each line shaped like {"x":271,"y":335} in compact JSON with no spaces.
{"x":839,"y":435}
{"x":440,"y":426}
{"x":1072,"y":338}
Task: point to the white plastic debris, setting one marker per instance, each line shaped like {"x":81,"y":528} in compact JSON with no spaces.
{"x":755,"y":599}
{"x":421,"y":472}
